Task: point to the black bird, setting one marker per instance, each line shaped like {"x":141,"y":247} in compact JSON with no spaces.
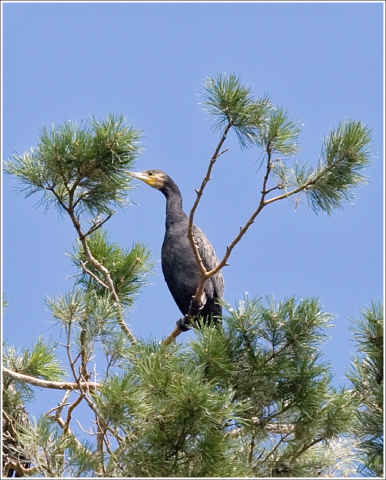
{"x":179,"y":264}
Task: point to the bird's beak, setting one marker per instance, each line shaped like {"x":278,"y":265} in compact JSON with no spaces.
{"x":138,"y":175}
{"x":142,"y":176}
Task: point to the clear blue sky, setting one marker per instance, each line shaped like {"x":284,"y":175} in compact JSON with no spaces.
{"x":321,"y":61}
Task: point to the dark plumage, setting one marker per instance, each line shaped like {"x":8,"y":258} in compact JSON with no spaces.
{"x":179,"y":264}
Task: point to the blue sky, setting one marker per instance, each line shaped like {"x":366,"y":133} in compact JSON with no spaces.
{"x":321,"y":61}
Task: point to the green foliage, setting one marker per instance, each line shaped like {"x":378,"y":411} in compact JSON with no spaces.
{"x":280,"y":133}
{"x":366,"y":375}
{"x":171,"y":416}
{"x":81,"y":168}
{"x":269,"y":354}
{"x":68,"y":308}
{"x":128,"y":268}
{"x":345,"y":153}
{"x":86,"y":318}
{"x":255,"y":121}
{"x":232,"y":103}
{"x":252,"y":398}
{"x":55,"y":454}
{"x":41,"y":362}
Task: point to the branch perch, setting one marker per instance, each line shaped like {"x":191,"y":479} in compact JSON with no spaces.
{"x":38,"y":382}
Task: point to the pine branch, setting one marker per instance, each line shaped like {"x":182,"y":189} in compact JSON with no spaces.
{"x":38,"y":382}
{"x":92,"y":275}
{"x":274,"y":428}
{"x":106,"y":274}
{"x":82,"y":169}
{"x":305,"y":448}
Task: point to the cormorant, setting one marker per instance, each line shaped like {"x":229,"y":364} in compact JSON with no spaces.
{"x":179,"y":264}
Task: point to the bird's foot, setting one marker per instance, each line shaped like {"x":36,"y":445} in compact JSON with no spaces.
{"x":194,"y":310}
{"x":183,"y":323}
{"x":195,"y":307}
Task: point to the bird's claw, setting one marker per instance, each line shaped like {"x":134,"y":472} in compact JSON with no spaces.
{"x":194,"y":310}
{"x":195,"y":307}
{"x":183,"y":323}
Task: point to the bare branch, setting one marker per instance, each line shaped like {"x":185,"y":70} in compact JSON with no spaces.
{"x":92,"y":275}
{"x":205,"y":275}
{"x":98,"y":225}
{"x":61,"y":405}
{"x":171,"y":338}
{"x":252,"y":445}
{"x":38,"y":382}
{"x":85,"y":431}
{"x":19,"y":469}
{"x":59,"y":420}
{"x":199,"y":194}
{"x":71,"y":408}
{"x":109,"y":282}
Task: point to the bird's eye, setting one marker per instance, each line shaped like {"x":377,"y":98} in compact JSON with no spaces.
{"x":150,"y":174}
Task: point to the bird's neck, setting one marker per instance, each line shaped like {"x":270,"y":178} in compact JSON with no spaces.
{"x":174,"y":212}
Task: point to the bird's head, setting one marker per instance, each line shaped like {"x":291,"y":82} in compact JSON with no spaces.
{"x":154,"y":178}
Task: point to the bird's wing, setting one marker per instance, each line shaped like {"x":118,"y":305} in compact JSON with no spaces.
{"x":210,"y":260}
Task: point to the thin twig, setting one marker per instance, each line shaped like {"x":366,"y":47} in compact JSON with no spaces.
{"x":306,"y":447}
{"x":272,"y":189}
{"x":252,"y":445}
{"x":70,"y":410}
{"x":106,"y":274}
{"x":199,"y":194}
{"x":276,"y":446}
{"x":98,"y":225}
{"x":275,"y":428}
{"x":61,"y":405}
{"x":68,"y":349}
{"x":62,"y":425}
{"x":308,"y":184}
{"x":83,"y":430}
{"x":275,"y":354}
{"x":89,"y":272}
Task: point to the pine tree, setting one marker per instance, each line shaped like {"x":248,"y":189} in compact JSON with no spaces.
{"x":251,"y":398}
